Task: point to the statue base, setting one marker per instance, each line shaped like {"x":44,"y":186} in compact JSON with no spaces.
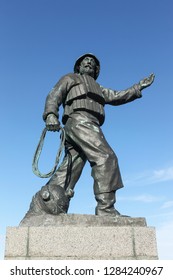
{"x":81,"y":237}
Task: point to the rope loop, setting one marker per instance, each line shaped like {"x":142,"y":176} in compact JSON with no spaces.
{"x":38,"y":151}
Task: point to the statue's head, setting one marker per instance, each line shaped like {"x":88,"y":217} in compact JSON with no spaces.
{"x":87,"y":64}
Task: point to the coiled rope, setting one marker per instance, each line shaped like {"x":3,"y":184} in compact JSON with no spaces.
{"x":38,"y":153}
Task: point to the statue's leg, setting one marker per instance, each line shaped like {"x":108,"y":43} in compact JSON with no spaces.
{"x":89,"y":138}
{"x":105,"y":204}
{"x":105,"y":169}
{"x":70,"y":169}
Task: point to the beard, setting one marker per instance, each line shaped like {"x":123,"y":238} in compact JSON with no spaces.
{"x":88,"y":70}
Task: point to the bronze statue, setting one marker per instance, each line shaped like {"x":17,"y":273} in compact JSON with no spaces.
{"x":83,"y":100}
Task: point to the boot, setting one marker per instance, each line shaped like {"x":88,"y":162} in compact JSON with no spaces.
{"x":105,"y":204}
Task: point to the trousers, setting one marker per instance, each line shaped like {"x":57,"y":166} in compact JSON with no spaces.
{"x":85,"y":142}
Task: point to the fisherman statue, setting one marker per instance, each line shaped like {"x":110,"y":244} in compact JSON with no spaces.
{"x":83,"y":101}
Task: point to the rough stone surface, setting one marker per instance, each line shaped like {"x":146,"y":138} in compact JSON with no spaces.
{"x":81,"y":242}
{"x":16,"y":242}
{"x":82,"y":237}
{"x":145,"y":241}
{"x":78,"y":220}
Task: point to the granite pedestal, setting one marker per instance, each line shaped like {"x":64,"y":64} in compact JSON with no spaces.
{"x":79,"y":237}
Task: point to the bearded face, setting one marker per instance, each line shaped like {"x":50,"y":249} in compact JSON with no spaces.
{"x":88,"y":66}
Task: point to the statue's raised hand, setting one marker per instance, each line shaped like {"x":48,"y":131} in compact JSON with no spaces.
{"x":52,"y":123}
{"x":146,"y":82}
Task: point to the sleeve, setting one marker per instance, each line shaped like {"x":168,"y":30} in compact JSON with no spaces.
{"x":57,"y":96}
{"x":116,"y":98}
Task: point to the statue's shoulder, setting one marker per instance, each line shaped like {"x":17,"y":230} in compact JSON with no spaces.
{"x":73,"y":77}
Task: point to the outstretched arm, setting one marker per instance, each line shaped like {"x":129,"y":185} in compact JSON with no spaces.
{"x":114,"y":97}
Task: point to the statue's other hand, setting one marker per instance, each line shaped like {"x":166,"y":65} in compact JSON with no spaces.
{"x":52,"y":123}
{"x":146,"y":82}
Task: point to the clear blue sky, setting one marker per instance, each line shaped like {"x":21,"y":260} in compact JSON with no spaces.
{"x":40,"y":41}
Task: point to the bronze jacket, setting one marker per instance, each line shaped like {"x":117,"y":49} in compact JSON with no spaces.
{"x":81,"y":92}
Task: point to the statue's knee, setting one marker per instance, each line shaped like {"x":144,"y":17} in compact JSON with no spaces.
{"x":112,"y":158}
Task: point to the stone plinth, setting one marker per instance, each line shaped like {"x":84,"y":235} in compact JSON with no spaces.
{"x":81,"y":237}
